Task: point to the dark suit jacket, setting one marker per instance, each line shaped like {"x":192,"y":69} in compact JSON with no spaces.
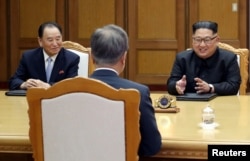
{"x":221,"y":70}
{"x":150,"y":136}
{"x":32,"y":65}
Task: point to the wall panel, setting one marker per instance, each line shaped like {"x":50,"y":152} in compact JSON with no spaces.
{"x":3,"y":43}
{"x":93,"y":14}
{"x":32,"y":15}
{"x":230,"y":16}
{"x":156,"y":33}
{"x":154,"y":62}
{"x":87,"y":15}
{"x":223,"y":14}
{"x":153,"y":19}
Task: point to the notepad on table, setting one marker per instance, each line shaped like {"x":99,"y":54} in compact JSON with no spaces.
{"x":16,"y":93}
{"x":196,"y":97}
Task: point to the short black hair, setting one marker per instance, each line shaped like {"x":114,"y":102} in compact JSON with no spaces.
{"x":207,"y":25}
{"x":48,"y":24}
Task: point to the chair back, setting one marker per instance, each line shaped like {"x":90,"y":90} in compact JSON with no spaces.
{"x":85,"y":65}
{"x":84,"y":119}
{"x":242,"y":55}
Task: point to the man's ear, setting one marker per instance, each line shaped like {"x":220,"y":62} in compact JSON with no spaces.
{"x":218,"y":37}
{"x":124,"y":57}
{"x":91,"y":57}
{"x":40,"y":41}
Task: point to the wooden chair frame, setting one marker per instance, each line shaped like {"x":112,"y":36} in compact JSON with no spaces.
{"x":78,"y":47}
{"x":244,"y":54}
{"x":131,"y":98}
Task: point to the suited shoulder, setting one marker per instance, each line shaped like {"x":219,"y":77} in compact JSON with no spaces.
{"x":225,"y":53}
{"x":131,"y":84}
{"x":185,"y":54}
{"x":69,"y":53}
{"x":32,"y":52}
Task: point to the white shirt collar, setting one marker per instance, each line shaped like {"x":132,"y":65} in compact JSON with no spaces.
{"x":107,"y":69}
{"x":46,"y":56}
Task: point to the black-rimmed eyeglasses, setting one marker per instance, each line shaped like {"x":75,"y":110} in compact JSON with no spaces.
{"x":206,"y":40}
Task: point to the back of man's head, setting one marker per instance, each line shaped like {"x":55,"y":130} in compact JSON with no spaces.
{"x":108,"y":44}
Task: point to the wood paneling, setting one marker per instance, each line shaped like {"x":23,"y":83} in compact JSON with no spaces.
{"x":93,"y":14}
{"x":230,"y":16}
{"x":156,"y":32}
{"x":152,"y":63}
{"x":3,"y":42}
{"x":227,"y":29}
{"x":32,"y":15}
{"x":87,"y":15}
{"x":159,"y":65}
{"x":84,"y":16}
{"x":153,"y":20}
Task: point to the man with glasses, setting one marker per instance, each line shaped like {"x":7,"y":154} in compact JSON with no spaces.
{"x":205,"y":68}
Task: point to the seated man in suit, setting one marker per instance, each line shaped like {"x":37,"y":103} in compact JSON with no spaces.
{"x":109,"y":46}
{"x":206,"y":68}
{"x":31,"y":71}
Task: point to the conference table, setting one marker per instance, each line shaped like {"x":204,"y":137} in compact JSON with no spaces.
{"x":182,"y":137}
{"x":14,"y":126}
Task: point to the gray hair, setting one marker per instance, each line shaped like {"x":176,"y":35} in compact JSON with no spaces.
{"x":108,"y":44}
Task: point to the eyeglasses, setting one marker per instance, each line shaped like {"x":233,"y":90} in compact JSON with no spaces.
{"x":206,"y":40}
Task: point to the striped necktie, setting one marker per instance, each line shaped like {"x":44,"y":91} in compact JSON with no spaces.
{"x":49,"y":68}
